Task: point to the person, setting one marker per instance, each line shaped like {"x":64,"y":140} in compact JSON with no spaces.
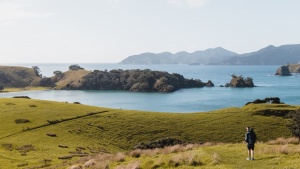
{"x":250,"y":139}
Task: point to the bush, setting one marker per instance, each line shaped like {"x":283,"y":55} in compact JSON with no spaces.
{"x":295,"y":125}
{"x":19,"y":121}
{"x":75,"y":67}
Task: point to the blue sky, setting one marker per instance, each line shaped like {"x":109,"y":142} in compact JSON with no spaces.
{"x":107,"y":31}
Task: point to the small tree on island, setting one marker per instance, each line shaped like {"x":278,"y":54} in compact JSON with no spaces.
{"x":58,"y":73}
{"x":75,"y":67}
{"x":37,"y":71}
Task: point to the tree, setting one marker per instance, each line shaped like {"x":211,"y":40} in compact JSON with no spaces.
{"x":58,"y":73}
{"x":37,"y":71}
{"x":75,"y":67}
{"x":1,"y":88}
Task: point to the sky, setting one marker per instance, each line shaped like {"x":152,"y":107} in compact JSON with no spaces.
{"x":108,"y":31}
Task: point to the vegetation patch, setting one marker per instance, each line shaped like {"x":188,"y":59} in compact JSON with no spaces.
{"x":22,"y":97}
{"x":19,"y":121}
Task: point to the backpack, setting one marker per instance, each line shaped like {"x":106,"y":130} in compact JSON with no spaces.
{"x":251,"y":137}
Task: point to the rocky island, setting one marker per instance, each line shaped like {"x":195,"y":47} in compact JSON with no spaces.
{"x":286,"y":70}
{"x":76,"y":78}
{"x":239,"y":81}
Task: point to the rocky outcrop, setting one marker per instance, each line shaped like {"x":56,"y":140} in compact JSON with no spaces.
{"x":283,"y":71}
{"x":134,"y":80}
{"x":209,"y":84}
{"x":239,"y":81}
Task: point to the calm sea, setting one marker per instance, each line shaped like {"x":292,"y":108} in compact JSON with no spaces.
{"x":184,"y":100}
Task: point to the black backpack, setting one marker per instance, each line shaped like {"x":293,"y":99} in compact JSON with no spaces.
{"x":251,"y":137}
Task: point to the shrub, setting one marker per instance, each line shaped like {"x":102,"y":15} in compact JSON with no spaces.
{"x":19,"y":121}
{"x":8,"y":146}
{"x":295,"y":125}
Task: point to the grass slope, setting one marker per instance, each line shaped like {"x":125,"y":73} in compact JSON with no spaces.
{"x":88,"y":129}
{"x":206,"y":156}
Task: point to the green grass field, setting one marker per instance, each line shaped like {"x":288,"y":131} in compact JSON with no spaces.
{"x":87,"y":129}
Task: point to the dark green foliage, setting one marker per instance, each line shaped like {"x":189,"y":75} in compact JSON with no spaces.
{"x":137,"y":80}
{"x":37,"y":71}
{"x":295,"y":125}
{"x":75,"y":67}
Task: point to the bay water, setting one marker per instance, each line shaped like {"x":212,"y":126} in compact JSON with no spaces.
{"x":183,"y":100}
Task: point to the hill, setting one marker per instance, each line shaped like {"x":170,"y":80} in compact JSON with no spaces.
{"x":75,"y":130}
{"x":15,"y":76}
{"x":209,"y":56}
{"x":270,"y":55}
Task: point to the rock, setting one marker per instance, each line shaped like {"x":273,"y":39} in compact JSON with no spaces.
{"x":209,"y":84}
{"x":283,"y":71}
{"x":239,"y":81}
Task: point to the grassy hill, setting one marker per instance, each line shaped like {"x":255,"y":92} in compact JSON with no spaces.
{"x":16,"y":76}
{"x":37,"y":133}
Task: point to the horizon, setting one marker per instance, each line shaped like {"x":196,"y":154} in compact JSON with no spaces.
{"x":109,"y":31}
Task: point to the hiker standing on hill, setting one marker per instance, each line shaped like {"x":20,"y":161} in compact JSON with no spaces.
{"x":250,"y":139}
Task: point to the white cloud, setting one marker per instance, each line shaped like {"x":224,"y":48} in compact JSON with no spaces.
{"x":10,"y":12}
{"x":188,"y":3}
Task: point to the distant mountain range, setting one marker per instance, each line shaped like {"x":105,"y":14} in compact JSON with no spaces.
{"x":270,"y":55}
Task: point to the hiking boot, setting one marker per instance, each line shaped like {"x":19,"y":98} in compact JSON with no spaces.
{"x":252,"y":159}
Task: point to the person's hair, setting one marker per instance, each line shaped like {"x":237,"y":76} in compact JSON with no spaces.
{"x":248,"y":128}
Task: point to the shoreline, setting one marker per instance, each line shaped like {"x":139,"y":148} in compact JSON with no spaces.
{"x":23,"y":89}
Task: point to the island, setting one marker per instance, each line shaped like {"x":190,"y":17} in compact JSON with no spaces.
{"x":77,"y":78}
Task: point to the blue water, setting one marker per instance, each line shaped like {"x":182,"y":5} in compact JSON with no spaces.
{"x":184,"y":100}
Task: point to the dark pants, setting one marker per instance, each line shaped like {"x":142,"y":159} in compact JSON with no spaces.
{"x":250,"y":146}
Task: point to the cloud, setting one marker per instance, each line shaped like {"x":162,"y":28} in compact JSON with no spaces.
{"x":10,"y":12}
{"x":188,"y":3}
